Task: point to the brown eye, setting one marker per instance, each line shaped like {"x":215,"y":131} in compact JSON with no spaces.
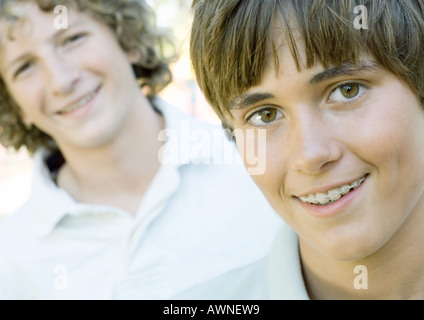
{"x":350,"y":91}
{"x":347,"y":93}
{"x":265,"y":116}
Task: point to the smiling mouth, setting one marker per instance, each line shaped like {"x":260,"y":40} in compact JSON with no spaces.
{"x":333,"y":195}
{"x":80,"y":103}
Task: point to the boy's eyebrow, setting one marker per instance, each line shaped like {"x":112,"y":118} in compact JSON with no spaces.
{"x":343,"y":70}
{"x":247,"y":99}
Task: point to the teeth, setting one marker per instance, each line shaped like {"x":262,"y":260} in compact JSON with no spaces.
{"x":79,"y":104}
{"x":333,"y":194}
{"x":345,"y":190}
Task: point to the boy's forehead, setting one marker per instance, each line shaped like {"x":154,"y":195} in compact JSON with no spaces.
{"x":26,"y":18}
{"x":24,"y":24}
{"x":8,"y":30}
{"x":17,"y":12}
{"x":16,"y":17}
{"x":287,"y":53}
{"x":13,"y":11}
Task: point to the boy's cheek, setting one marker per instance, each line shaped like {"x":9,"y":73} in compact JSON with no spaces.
{"x":252,"y":147}
{"x":272,"y":179}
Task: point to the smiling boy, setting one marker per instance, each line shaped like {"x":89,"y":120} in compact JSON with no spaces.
{"x":343,"y":110}
{"x":106,"y":219}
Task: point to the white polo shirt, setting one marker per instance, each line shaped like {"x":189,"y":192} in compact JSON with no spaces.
{"x":277,"y":276}
{"x":197,"y":222}
{"x":285,"y":279}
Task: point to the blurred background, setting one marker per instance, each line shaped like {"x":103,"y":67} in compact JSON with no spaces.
{"x":16,"y":167}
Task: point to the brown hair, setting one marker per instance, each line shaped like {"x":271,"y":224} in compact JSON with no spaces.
{"x":133,"y":23}
{"x":230,"y":39}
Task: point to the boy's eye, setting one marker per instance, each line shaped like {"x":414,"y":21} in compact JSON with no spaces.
{"x":350,"y":90}
{"x":346,"y":92}
{"x":265,"y":116}
{"x":74,"y":38}
{"x":24,"y":67}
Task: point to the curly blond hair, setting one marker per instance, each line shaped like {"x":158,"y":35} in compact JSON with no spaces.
{"x":133,"y":23}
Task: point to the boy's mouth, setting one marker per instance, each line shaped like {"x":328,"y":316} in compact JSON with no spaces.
{"x":79,"y":103}
{"x":324,"y":199}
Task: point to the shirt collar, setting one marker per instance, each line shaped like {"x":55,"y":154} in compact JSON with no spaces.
{"x":49,"y":204}
{"x":285,"y":271}
{"x":188,"y":141}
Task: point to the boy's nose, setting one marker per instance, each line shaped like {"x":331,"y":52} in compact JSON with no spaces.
{"x":314,"y":145}
{"x":62,"y":75}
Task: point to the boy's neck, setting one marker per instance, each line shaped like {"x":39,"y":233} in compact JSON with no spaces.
{"x":394,"y":272}
{"x":117,"y":174}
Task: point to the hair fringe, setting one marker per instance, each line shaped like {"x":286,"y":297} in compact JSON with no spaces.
{"x":228,"y":58}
